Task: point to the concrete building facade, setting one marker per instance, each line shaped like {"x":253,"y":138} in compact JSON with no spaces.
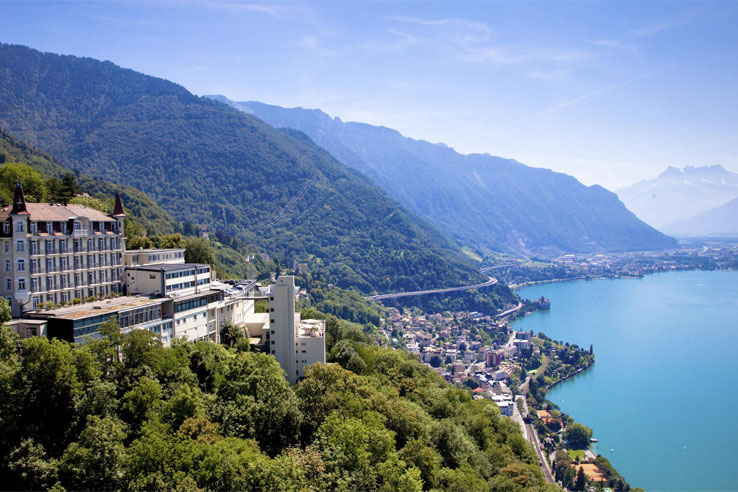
{"x":295,"y":343}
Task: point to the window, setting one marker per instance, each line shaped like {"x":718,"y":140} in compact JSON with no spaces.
{"x":6,"y":227}
{"x":7,"y":265}
{"x":19,"y":227}
{"x":34,"y":228}
{"x":21,"y":265}
{"x":7,"y":247}
{"x":34,"y":285}
{"x":8,"y":283}
{"x":20,"y":246}
{"x":21,"y":284}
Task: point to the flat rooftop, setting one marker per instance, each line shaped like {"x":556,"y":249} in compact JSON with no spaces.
{"x":100,"y":307}
{"x":158,"y":267}
{"x":147,"y":251}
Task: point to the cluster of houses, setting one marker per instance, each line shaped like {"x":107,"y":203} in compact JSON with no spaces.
{"x":458,"y":353}
{"x":67,"y":271}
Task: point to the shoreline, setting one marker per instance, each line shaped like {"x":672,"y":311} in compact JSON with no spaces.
{"x":576,"y":373}
{"x":531,"y":283}
{"x":574,"y":279}
{"x":567,"y":378}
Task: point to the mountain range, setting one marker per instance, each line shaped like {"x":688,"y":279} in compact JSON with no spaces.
{"x":207,"y":163}
{"x":672,"y":201}
{"x":720,"y":221}
{"x":485,"y":202}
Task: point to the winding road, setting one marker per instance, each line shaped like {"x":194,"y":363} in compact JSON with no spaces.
{"x":489,"y":282}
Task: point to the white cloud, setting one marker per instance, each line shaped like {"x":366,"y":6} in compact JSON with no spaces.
{"x":564,"y":104}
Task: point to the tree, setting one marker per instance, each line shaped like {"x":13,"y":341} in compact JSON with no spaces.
{"x":231,"y":334}
{"x":256,"y":401}
{"x":170,"y":241}
{"x":577,"y":436}
{"x":92,"y":202}
{"x":198,"y":250}
{"x":69,"y":186}
{"x":142,"y":402}
{"x":581,"y":481}
{"x":435,"y":360}
{"x":95,"y":461}
{"x":34,"y":186}
{"x":4,"y":310}
{"x":139,"y":242}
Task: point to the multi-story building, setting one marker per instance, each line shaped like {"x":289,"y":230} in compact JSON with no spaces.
{"x":65,"y":254}
{"x":75,"y":323}
{"x":295,"y":343}
{"x":53,"y":253}
{"x":198,"y":308}
{"x":142,"y":257}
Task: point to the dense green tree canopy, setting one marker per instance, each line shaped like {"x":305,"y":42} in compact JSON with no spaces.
{"x":198,"y":250}
{"x":129,"y":414}
{"x":577,"y":436}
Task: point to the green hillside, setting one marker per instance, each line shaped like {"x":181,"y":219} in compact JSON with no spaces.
{"x":200,"y":417}
{"x":482,"y":201}
{"x":143,"y":208}
{"x":206,"y":163}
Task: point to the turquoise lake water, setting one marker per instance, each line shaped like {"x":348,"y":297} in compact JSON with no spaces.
{"x":663,"y":392}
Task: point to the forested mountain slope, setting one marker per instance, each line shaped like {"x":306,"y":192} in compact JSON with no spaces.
{"x":207,"y":163}
{"x":142,"y":208}
{"x":478,"y":199}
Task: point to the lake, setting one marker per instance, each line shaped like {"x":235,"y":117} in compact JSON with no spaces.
{"x":662,"y":392}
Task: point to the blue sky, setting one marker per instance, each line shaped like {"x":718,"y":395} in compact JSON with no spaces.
{"x":610,"y":92}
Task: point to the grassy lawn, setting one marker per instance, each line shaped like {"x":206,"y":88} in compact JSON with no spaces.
{"x":574,"y":453}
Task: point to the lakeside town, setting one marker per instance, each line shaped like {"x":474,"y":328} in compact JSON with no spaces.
{"x":703,"y":254}
{"x":514,"y":369}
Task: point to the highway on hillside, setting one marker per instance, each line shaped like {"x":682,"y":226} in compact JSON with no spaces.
{"x":509,"y":311}
{"x":489,"y":282}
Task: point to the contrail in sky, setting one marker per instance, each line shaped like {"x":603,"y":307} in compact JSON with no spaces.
{"x":587,"y":96}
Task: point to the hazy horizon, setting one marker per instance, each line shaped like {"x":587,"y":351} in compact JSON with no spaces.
{"x":609,"y":93}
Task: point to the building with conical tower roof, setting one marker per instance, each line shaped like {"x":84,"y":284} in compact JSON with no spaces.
{"x":53,"y":253}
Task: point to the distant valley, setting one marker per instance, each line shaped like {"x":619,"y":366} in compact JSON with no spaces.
{"x":484,"y":202}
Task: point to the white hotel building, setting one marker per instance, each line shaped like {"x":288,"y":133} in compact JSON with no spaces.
{"x":54,"y":253}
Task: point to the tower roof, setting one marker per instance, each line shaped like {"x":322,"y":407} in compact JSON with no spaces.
{"x":19,"y":200}
{"x":118,"y":209}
